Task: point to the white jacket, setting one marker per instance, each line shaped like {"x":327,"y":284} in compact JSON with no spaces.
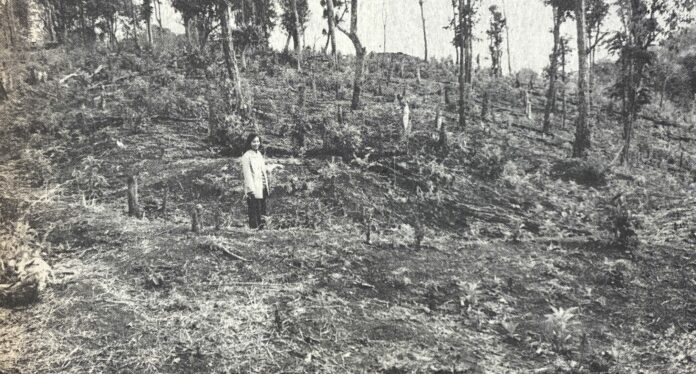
{"x":254,"y":171}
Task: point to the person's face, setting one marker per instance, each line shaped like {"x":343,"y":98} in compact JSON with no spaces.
{"x":256,"y":143}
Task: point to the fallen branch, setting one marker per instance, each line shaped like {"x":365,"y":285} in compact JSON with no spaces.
{"x":217,"y":246}
{"x":659,"y":121}
{"x":177,"y":119}
{"x":232,"y":254}
{"x":79,"y":76}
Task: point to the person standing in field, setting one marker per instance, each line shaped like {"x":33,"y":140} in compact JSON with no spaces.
{"x":255,"y":181}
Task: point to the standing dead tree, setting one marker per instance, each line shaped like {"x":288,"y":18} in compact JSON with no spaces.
{"x":133,"y":205}
{"x":196,"y":222}
{"x":425,"y":36}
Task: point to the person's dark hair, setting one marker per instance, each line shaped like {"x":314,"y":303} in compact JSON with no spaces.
{"x":249,"y":139}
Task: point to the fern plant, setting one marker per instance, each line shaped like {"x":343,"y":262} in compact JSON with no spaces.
{"x":559,"y":327}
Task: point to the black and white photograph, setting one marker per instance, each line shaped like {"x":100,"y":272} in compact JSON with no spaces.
{"x":348,"y":186}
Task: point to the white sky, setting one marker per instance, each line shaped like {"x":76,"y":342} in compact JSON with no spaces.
{"x":529,"y":21}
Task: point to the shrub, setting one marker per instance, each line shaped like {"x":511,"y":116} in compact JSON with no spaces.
{"x":488,"y":162}
{"x":622,"y":225}
{"x":37,"y":167}
{"x":345,"y":139}
{"x":590,"y":173}
{"x":88,"y":178}
{"x":229,"y":132}
{"x":22,"y":268}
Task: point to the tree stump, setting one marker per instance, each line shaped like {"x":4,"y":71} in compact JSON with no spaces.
{"x":133,"y":206}
{"x":218,"y":219}
{"x":196,"y":223}
{"x":418,"y":75}
{"x":339,"y":114}
{"x":367,"y":222}
{"x":438,"y":119}
{"x":402,"y":70}
{"x":485,"y":104}
{"x":3,"y":93}
{"x":563,"y":114}
{"x":301,"y":100}
{"x":405,"y":117}
{"x":33,"y":78}
{"x":323,"y":132}
{"x":419,"y":231}
{"x":442,"y":141}
{"x":165,"y":197}
{"x":447,"y":99}
{"x":527,"y":105}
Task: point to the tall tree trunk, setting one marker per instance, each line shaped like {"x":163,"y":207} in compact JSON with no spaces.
{"x":48,"y":13}
{"x":455,"y":21}
{"x":332,"y":29}
{"x":9,"y":14}
{"x":462,"y":65}
{"x":83,"y":23}
{"x":254,"y":18}
{"x":158,"y":17}
{"x":287,"y":42}
{"x":553,"y":69}
{"x":425,"y":37}
{"x":384,"y":27}
{"x":296,"y":35}
{"x":627,"y":104}
{"x":359,"y":53}
{"x":590,"y":73}
{"x":664,"y":88}
{"x":148,"y":21}
{"x":507,"y":40}
{"x":187,"y":28}
{"x":582,"y":130}
{"x":563,"y":79}
{"x":468,"y":22}
{"x":111,"y":26}
{"x":148,"y":24}
{"x":134,"y":19}
{"x":225,"y":31}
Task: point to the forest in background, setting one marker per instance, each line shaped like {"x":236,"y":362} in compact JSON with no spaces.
{"x":427,"y":215}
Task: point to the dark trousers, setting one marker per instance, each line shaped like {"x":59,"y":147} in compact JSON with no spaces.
{"x":257,"y":209}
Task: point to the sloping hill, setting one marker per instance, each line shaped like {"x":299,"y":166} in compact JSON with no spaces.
{"x":486,"y":256}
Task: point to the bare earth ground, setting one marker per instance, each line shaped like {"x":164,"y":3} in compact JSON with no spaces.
{"x":309,"y":295}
